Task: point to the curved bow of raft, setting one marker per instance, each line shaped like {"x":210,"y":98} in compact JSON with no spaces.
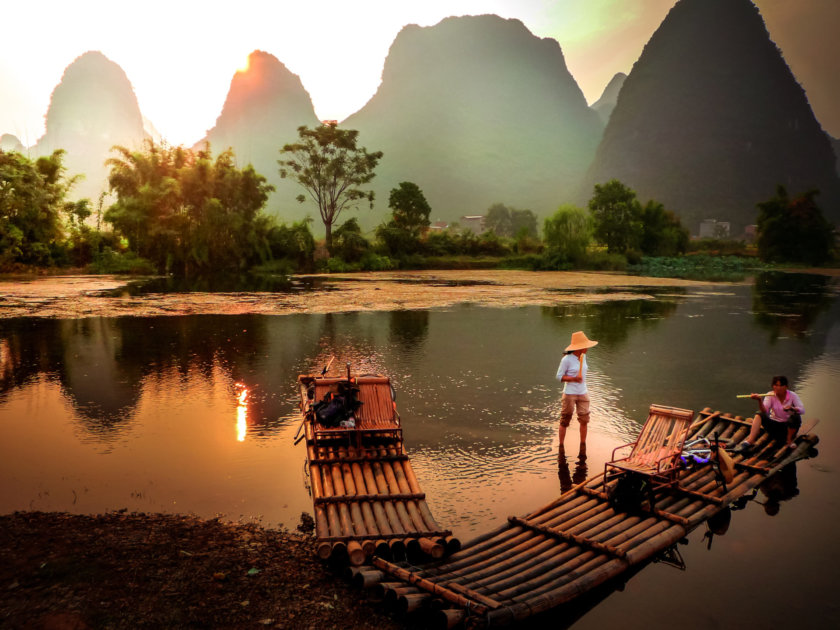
{"x":369,"y":507}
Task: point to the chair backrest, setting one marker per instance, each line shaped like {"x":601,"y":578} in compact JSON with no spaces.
{"x":663,"y":435}
{"x":377,"y":410}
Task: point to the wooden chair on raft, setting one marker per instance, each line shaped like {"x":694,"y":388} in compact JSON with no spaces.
{"x":656,"y":452}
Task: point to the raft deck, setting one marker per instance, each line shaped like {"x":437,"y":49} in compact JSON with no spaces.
{"x":577,"y":542}
{"x":366,"y":496}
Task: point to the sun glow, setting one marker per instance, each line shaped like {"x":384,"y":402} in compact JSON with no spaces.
{"x":242,"y":413}
{"x":245,"y":66}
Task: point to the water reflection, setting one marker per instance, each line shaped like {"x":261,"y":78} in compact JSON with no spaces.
{"x":567,"y":479}
{"x":788,"y":304}
{"x":409,"y":328}
{"x":613,"y":322}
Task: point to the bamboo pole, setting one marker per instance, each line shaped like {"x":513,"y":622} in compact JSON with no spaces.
{"x":352,"y":521}
{"x":410,"y":602}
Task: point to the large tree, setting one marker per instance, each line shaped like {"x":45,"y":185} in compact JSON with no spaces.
{"x":409,"y":208}
{"x":510,"y":222}
{"x":617,"y":216}
{"x":567,"y":232}
{"x":331,"y":168}
{"x":32,"y":201}
{"x":794,"y":229}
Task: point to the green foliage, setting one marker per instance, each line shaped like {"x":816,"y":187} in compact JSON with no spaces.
{"x":441,"y":243}
{"x":32,"y":201}
{"x":294,"y":245}
{"x":662,"y":232}
{"x":396,"y":242}
{"x":330,"y":167}
{"x":617,"y":216}
{"x":567,"y":233}
{"x":348,"y":242}
{"x":794,"y":230}
{"x":410,"y":208}
{"x":509,"y":222}
{"x":721,"y":247}
{"x":696,"y":267}
{"x":113,"y":261}
{"x":185,"y":211}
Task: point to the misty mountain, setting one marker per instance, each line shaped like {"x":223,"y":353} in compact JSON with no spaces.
{"x":91,"y":109}
{"x":477,"y":110}
{"x":606,"y":104}
{"x":9,"y":143}
{"x":265,"y":105}
{"x":711,"y":119}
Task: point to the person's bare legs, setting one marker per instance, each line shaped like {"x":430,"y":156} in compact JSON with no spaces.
{"x":583,"y":428}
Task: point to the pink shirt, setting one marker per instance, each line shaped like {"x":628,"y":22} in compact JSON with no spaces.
{"x":776,"y":408}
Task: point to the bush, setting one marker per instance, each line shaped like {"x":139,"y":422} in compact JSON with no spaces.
{"x":110,"y":261}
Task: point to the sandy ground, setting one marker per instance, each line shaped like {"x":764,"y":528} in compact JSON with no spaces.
{"x":83,"y":296}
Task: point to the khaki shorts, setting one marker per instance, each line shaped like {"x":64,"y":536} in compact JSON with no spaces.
{"x":568,"y":404}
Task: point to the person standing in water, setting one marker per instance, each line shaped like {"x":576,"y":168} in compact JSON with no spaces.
{"x":572,"y":373}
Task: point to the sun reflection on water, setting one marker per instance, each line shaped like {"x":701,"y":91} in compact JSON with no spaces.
{"x":242,"y":413}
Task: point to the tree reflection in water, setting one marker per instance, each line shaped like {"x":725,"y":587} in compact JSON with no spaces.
{"x":788,"y":304}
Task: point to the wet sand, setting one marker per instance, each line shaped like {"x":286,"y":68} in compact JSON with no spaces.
{"x":84,"y":296}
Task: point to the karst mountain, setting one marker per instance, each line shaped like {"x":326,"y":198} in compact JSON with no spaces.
{"x":92,"y":109}
{"x":711,"y":120}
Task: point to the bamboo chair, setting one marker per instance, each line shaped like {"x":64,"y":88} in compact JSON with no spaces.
{"x":656,"y":451}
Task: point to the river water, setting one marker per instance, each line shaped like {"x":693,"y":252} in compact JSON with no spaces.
{"x":197,"y":414}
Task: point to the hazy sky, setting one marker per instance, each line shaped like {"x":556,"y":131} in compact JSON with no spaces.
{"x":180,"y":55}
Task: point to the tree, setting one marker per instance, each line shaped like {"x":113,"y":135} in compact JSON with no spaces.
{"x":794,"y":230}
{"x":567,"y":232}
{"x":185,"y":211}
{"x":662,"y":232}
{"x":617,"y":216}
{"x":410,"y":208}
{"x":331,"y":168}
{"x":498,"y":220}
{"x":32,"y":201}
{"x":349,"y":243}
{"x":510,"y":222}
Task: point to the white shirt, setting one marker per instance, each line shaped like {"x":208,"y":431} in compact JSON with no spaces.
{"x":570,"y":365}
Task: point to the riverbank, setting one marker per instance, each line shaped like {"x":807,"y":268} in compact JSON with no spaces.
{"x":99,"y":296}
{"x":127,"y":571}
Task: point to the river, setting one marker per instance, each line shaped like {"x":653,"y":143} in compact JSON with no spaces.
{"x":197,"y":414}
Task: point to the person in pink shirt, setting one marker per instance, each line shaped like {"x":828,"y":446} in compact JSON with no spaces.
{"x":779,"y":413}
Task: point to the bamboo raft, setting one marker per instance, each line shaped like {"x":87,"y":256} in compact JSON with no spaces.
{"x":576,"y":543}
{"x":366,"y":497}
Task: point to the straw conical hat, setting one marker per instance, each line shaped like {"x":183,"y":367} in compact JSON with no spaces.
{"x":580,"y":342}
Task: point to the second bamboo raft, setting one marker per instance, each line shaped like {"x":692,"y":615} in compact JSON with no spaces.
{"x":366,"y":497}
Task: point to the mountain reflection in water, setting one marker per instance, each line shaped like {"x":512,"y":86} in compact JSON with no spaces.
{"x":197,"y":414}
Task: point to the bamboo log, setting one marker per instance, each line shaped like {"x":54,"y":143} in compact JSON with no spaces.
{"x":393,"y":594}
{"x":431,"y":587}
{"x":380,"y":589}
{"x":352,"y":522}
{"x":366,"y":579}
{"x":410,"y":602}
{"x":450,"y":617}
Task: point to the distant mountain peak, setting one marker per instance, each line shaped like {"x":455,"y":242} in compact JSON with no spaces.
{"x":91,"y":109}
{"x":464,"y":103}
{"x":606,"y":104}
{"x":711,"y":120}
